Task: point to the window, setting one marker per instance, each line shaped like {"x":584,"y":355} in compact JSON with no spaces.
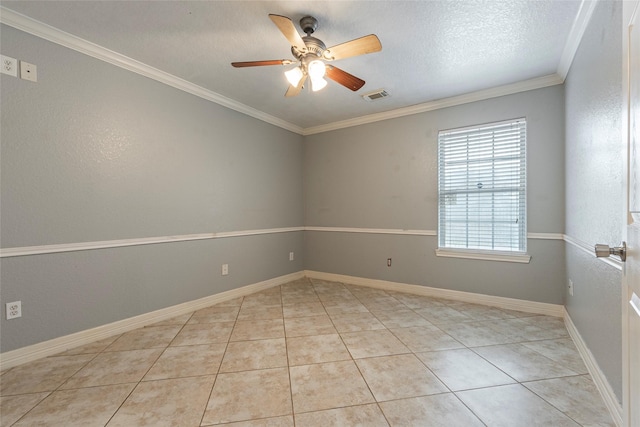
{"x":482,"y":189}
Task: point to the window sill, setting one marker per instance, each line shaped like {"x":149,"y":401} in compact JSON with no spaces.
{"x":484,"y":255}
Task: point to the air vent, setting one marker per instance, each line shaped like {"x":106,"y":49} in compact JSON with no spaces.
{"x":373,"y":96}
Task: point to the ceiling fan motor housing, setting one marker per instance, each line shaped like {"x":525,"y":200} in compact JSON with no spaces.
{"x":314,"y":45}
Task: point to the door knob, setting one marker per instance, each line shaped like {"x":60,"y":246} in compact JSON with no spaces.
{"x":603,"y":251}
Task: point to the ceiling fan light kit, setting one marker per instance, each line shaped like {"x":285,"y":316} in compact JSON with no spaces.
{"x":316,"y":70}
{"x":310,"y":52}
{"x":318,"y":84}
{"x":294,"y":75}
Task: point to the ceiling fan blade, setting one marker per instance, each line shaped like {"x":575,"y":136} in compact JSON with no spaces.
{"x":361,"y":46}
{"x":285,"y":25}
{"x":262,"y":63}
{"x":345,"y":79}
{"x":295,"y":90}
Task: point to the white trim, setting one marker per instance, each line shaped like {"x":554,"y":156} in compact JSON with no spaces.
{"x":545,"y":236}
{"x":410,"y":232}
{"x":546,"y":309}
{"x":57,"y":345}
{"x":588,"y":249}
{"x":106,"y":244}
{"x":599,"y":379}
{"x":483,"y":255}
{"x":374,"y":231}
{"x":575,"y":37}
{"x":85,"y":246}
{"x":23,"y":355}
{"x":52,"y":34}
{"x":481,"y":95}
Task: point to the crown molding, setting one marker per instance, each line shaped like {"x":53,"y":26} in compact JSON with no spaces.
{"x":481,"y":95}
{"x":575,"y":36}
{"x":54,"y":35}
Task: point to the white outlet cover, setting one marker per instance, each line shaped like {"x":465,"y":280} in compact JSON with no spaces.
{"x":28,"y":71}
{"x":14,"y":310}
{"x":9,"y":65}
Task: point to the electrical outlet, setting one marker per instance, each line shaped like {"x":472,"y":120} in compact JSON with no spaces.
{"x":9,"y":65}
{"x":570,"y":287}
{"x":388,"y":262}
{"x":291,"y":256}
{"x":28,"y":71}
{"x":14,"y":310}
{"x":225,"y":269}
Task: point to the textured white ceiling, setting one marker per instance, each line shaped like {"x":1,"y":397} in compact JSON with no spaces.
{"x":430,"y":49}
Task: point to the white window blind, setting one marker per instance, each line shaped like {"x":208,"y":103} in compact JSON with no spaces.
{"x":482,"y":187}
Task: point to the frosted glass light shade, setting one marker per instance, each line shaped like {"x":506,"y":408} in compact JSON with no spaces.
{"x":317,"y":84}
{"x":316,"y":69}
{"x":293,"y":76}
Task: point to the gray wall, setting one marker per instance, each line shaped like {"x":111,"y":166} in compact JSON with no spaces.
{"x":93,"y":152}
{"x":384,"y":175}
{"x":594,"y":199}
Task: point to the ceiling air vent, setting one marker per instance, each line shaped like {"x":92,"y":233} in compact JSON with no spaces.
{"x":373,"y":96}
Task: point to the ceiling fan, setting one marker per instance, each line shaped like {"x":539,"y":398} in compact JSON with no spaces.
{"x":310,"y":54}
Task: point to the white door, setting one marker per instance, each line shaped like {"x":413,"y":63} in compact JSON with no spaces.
{"x":631,"y":270}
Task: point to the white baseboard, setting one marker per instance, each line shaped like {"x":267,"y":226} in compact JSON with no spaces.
{"x":608,"y":396}
{"x":555,"y":310}
{"x":599,"y":379}
{"x":57,"y":345}
{"x":67,"y":342}
{"x":29,"y":353}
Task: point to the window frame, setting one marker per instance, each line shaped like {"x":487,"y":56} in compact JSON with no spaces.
{"x":520,"y":255}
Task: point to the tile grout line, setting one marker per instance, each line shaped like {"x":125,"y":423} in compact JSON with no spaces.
{"x":522,"y":383}
{"x":551,"y":404}
{"x":364,"y":300}
{"x":286,"y":349}
{"x":450,"y":391}
{"x":141,"y":378}
{"x":293,"y":411}
{"x":386,"y":328}
{"x":353,"y":360}
{"x":50,"y":393}
{"x":471,"y":348}
{"x":215,"y":380}
{"x":375,"y":400}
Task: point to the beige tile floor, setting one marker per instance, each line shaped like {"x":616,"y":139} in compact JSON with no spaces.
{"x":316,"y":353}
